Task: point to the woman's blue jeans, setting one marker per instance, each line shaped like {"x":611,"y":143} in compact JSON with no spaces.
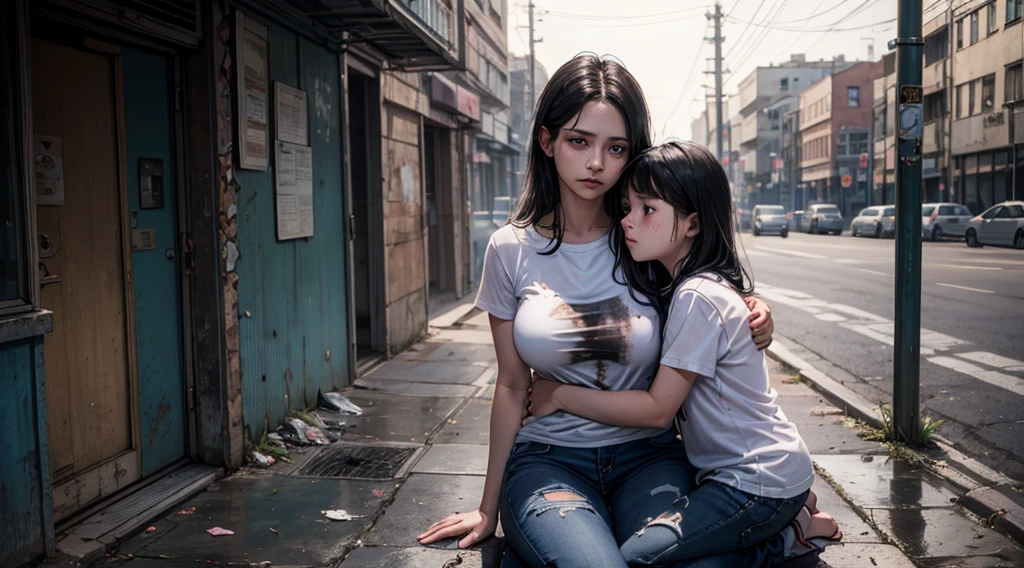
{"x":575,"y":507}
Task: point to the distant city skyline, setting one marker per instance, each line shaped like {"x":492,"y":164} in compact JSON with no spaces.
{"x":661,"y":41}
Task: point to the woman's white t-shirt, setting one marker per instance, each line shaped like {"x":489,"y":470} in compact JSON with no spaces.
{"x":572,"y":323}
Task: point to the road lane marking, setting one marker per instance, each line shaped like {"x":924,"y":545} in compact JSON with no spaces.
{"x":850,"y":261}
{"x":792,"y":253}
{"x":1002,"y":380}
{"x":992,"y":360}
{"x":874,"y":272}
{"x":830,"y":317}
{"x":968,"y":288}
{"x":972,"y":267}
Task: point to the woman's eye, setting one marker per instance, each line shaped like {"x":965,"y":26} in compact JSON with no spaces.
{"x":625,"y":208}
{"x":577,"y":141}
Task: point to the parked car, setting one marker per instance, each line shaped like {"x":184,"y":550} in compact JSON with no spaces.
{"x":1001,"y":225}
{"x":822,"y":218}
{"x":876,"y":221}
{"x":940,"y":220}
{"x":770,"y":220}
{"x":794,"y":219}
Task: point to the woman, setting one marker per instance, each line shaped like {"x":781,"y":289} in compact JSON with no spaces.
{"x":573,"y":489}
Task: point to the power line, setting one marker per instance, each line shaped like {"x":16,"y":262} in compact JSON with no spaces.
{"x":686,"y":83}
{"x":593,"y":17}
{"x":631,"y":25}
{"x":744,"y":32}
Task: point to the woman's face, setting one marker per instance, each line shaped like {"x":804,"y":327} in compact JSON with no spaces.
{"x":590,"y":151}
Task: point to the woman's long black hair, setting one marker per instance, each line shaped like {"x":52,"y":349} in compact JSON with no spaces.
{"x":583,"y":79}
{"x":690,"y":179}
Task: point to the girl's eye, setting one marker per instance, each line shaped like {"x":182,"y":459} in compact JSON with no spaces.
{"x":648,"y":210}
{"x":618,"y":149}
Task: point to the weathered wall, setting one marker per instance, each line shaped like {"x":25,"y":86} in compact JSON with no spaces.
{"x":22,"y":479}
{"x":404,"y":228}
{"x":292,"y":308}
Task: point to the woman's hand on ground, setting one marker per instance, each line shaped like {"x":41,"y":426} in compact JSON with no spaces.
{"x":542,"y":397}
{"x":762,"y":325}
{"x":479,"y":525}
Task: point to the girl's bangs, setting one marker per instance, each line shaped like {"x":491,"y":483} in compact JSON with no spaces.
{"x":646,"y":179}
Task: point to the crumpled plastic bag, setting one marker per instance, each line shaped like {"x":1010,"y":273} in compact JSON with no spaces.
{"x":317,"y":437}
{"x":261,"y":460}
{"x":294,"y":432}
{"x":337,"y":403}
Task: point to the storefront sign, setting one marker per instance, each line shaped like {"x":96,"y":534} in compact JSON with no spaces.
{"x":468,"y":103}
{"x":443,"y":93}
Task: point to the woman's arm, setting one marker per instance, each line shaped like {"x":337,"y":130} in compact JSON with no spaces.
{"x":510,"y":394}
{"x":653,"y":408}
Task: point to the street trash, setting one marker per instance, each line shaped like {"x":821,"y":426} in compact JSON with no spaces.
{"x":316,"y":436}
{"x":275,"y":440}
{"x":273,"y":530}
{"x":261,"y":460}
{"x":339,"y":515}
{"x":189,"y":511}
{"x":294,"y":431}
{"x":337,"y":403}
{"x":328,"y":423}
{"x":378,"y":492}
{"x":150,"y":529}
{"x":217,"y":531}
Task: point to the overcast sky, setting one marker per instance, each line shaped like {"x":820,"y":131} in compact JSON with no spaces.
{"x":661,"y":41}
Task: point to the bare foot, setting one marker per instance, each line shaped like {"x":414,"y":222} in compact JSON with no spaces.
{"x":812,"y":502}
{"x":817,"y":525}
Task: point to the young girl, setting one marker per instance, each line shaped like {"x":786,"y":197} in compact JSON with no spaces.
{"x":754,"y":471}
{"x":570,"y":489}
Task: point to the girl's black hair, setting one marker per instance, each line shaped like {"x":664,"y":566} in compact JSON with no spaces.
{"x":690,"y":179}
{"x":583,"y":79}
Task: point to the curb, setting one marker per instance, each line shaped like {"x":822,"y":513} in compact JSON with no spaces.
{"x":985,"y":492}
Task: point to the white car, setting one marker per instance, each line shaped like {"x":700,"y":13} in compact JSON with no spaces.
{"x":940,"y":220}
{"x":1001,"y":225}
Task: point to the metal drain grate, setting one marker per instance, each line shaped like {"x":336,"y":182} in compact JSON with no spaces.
{"x":358,"y":462}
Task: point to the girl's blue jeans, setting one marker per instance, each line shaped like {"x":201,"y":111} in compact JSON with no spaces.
{"x":631,"y":504}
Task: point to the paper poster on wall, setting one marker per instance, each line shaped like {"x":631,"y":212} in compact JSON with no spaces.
{"x":293,"y":177}
{"x":251,"y":65}
{"x":292,"y":114}
{"x":49,"y":166}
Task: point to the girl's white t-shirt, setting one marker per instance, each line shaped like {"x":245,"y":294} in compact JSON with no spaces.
{"x":572,"y":323}
{"x":732,"y":427}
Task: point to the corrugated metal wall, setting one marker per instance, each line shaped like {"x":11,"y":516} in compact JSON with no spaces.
{"x":292,"y":294}
{"x":22,"y":410}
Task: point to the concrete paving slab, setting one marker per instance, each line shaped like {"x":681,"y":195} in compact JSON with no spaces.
{"x":458,"y":372}
{"x":944,"y":532}
{"x":252,"y":506}
{"x":476,"y":319}
{"x":453,"y":459}
{"x":396,"y":418}
{"x":447,"y":351}
{"x":855,"y":530}
{"x":477,"y":336}
{"x":419,"y":557}
{"x":960,"y":562}
{"x":471,"y":425}
{"x":824,"y":434}
{"x":884,"y":482}
{"x":864,"y":555}
{"x":422,"y":500}
{"x":409,"y":388}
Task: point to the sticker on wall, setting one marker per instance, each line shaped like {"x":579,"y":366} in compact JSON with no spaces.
{"x":409,"y":189}
{"x":151,"y":183}
{"x":49,"y":166}
{"x":251,"y":62}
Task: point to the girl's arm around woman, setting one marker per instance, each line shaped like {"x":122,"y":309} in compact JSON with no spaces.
{"x":510,"y":394}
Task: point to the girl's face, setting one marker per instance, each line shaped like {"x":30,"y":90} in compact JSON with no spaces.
{"x":589,"y":151}
{"x":653,"y":232}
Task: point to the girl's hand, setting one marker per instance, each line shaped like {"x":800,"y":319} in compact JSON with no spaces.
{"x":762,"y":326}
{"x":542,"y":397}
{"x":479,"y":525}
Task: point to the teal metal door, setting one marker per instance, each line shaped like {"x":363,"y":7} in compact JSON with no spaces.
{"x":152,"y":201}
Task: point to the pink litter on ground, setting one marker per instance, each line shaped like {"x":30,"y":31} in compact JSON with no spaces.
{"x":217,"y":531}
{"x":151,"y":529}
{"x":378,"y":492}
{"x":187,"y":511}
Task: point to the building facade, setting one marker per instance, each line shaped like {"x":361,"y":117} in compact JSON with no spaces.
{"x":523,"y":103}
{"x":835,"y":124}
{"x":261,"y":203}
{"x":766,"y":95}
{"x":883,"y":190}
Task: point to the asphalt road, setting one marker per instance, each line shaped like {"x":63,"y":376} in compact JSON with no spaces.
{"x":834,"y":295}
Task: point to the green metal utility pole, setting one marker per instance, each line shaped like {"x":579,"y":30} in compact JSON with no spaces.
{"x":909,"y":132}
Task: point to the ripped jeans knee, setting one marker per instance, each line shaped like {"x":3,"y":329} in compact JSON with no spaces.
{"x":559,"y":498}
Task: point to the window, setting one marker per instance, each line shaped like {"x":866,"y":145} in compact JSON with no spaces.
{"x":971,"y":91}
{"x":1016,"y":211}
{"x":946,"y":210}
{"x":990,"y":19}
{"x":889,"y":212}
{"x":784,"y":84}
{"x":14,"y":275}
{"x":1002,"y":213}
{"x":935,"y":47}
{"x":1014,"y":83}
{"x":853,"y":96}
{"x":1014,"y":10}
{"x":988,"y":93}
{"x":961,"y":210}
{"x":975,"y":16}
{"x":992,"y":213}
{"x":960,"y":34}
{"x":934,"y":106}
